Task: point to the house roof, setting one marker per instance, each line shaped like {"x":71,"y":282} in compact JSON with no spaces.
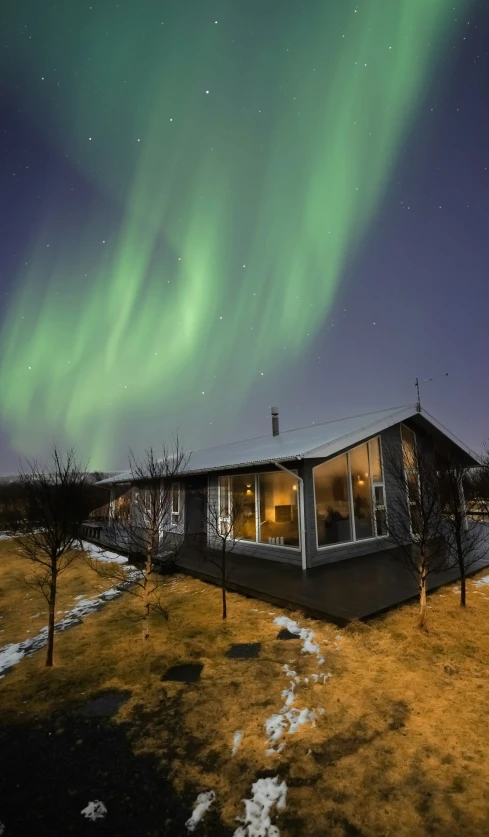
{"x":317,"y":440}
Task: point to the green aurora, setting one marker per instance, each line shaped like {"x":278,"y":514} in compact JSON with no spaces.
{"x":220,"y":222}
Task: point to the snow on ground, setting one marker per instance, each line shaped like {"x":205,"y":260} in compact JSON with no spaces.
{"x":266,"y":794}
{"x":308,"y":646}
{"x":95,"y":810}
{"x":237,"y":741}
{"x":290,"y":719}
{"x":104,"y":555}
{"x":482,"y":581}
{"x":202,"y":804}
{"x":4,"y":537}
{"x":16,"y":651}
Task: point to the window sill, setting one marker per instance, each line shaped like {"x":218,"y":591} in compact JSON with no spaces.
{"x":351,"y":543}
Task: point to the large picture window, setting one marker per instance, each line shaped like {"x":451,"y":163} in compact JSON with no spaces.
{"x":332,"y":501}
{"x":350,"y":496}
{"x":243,"y":506}
{"x":260,"y":507}
{"x":279,"y":519}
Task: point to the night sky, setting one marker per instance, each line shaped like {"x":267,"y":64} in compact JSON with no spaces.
{"x":211,"y":207}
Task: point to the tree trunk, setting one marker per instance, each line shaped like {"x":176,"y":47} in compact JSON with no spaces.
{"x":52,"y":610}
{"x":146,"y":595}
{"x":223,"y":584}
{"x":461,"y":565}
{"x":462,"y":584}
{"x":422,"y":601}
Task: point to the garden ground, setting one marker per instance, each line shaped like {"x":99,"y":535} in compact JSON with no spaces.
{"x":393,"y":742}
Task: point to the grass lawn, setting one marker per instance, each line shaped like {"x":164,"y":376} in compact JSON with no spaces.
{"x":399,"y":744}
{"x":23,"y":610}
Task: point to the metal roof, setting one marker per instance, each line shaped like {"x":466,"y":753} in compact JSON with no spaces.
{"x":317,"y":440}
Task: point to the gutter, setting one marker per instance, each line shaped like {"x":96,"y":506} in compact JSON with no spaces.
{"x":301,"y":509}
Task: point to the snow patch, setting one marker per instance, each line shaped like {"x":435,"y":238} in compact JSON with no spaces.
{"x":481,"y":582}
{"x":101,"y":554}
{"x":308,"y":646}
{"x":16,"y":651}
{"x":202,"y":804}
{"x":237,"y":741}
{"x":95,"y":810}
{"x":265,"y":795}
{"x":289,"y":696}
{"x":290,"y":719}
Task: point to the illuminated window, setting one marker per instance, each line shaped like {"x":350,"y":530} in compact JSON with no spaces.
{"x":279,"y":519}
{"x":332,"y":501}
{"x":361,"y":490}
{"x":274,"y":494}
{"x":377,"y":473}
{"x":350,"y":496}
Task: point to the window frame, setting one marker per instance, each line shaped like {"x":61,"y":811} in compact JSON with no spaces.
{"x":176,"y":514}
{"x":256,"y":477}
{"x":410,"y":503}
{"x":354,"y":540}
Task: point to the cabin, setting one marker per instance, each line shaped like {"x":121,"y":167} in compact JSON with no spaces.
{"x":306,"y":497}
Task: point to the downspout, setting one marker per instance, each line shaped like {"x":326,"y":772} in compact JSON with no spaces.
{"x":301,"y":510}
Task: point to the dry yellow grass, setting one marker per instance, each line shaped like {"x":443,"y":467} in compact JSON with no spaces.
{"x":23,"y":610}
{"x":401,"y":749}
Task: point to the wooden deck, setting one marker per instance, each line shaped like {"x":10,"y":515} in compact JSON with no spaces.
{"x":356,"y":588}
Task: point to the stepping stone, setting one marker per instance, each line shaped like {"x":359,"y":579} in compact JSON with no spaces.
{"x":244,"y":651}
{"x":185,"y":673}
{"x":286,"y":634}
{"x":104,"y":705}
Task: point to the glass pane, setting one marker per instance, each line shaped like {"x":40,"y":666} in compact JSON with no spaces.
{"x":279,"y":518}
{"x":243,"y":507}
{"x":224,"y":486}
{"x":332,"y":502}
{"x":408,"y":447}
{"x":375,"y":460}
{"x":175,"y":498}
{"x":379,"y":495}
{"x":413,"y":487}
{"x":381,"y":521}
{"x":415,"y":519}
{"x":362,"y":498}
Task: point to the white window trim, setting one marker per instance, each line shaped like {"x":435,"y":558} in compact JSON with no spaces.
{"x":171,"y":525}
{"x":256,"y":476}
{"x":177,"y":513}
{"x":375,"y":537}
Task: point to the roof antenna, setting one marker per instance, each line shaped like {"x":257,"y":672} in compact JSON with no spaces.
{"x":426,"y":380}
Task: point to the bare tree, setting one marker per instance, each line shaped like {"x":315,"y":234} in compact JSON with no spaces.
{"x":477,"y":487}
{"x":46,"y":521}
{"x":224,"y":523}
{"x":466,"y":540}
{"x":414,"y":517}
{"x":148,"y":527}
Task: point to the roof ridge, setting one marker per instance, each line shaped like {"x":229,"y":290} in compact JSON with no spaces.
{"x":304,"y":427}
{"x":357,"y":429}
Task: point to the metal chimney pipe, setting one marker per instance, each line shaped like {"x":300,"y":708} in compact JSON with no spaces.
{"x":275,"y":429}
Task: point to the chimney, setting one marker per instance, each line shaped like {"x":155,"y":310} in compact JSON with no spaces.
{"x":275,"y":421}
